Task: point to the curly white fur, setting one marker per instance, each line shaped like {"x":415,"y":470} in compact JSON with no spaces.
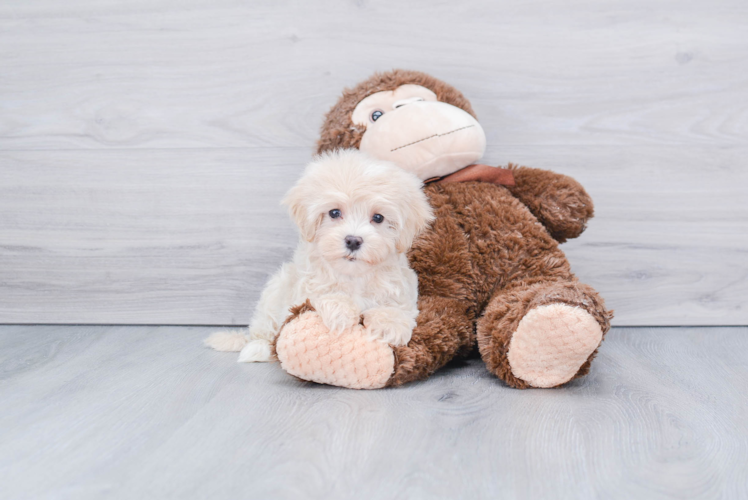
{"x":374,"y":280}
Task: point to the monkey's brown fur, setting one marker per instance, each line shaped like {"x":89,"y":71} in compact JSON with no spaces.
{"x":491,"y":255}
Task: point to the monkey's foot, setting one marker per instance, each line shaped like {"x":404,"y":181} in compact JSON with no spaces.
{"x":308,"y":351}
{"x":551,"y":343}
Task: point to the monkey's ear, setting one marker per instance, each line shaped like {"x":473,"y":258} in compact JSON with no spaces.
{"x":416,"y":212}
{"x":296,"y":200}
{"x":340,"y":137}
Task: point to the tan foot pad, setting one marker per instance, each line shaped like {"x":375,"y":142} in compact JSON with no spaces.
{"x":307,"y":351}
{"x":551,"y":343}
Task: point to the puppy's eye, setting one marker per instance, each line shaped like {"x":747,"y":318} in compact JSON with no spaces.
{"x":375,"y":115}
{"x":335,"y":213}
{"x":378,"y":218}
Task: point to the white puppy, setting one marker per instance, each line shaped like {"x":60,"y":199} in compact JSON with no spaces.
{"x":357,"y":217}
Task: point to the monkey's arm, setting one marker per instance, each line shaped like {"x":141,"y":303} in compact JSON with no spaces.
{"x":559,"y":202}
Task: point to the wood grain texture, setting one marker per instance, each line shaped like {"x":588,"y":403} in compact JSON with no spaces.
{"x":190,"y":237}
{"x":221,"y":73}
{"x":144,"y":146}
{"x":141,"y":243}
{"x":147,"y":412}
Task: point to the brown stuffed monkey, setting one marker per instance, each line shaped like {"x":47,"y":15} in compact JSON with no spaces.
{"x":490,"y":269}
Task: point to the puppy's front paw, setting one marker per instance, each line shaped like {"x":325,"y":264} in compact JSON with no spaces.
{"x":338,"y":312}
{"x":390,"y":325}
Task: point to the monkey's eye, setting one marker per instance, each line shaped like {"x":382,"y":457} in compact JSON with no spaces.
{"x":375,"y":115}
{"x":403,"y":102}
{"x":335,"y":213}
{"x":378,"y":218}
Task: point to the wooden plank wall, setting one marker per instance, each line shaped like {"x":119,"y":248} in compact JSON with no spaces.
{"x":144,"y":145}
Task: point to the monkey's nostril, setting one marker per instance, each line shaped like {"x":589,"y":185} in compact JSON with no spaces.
{"x":353,"y":243}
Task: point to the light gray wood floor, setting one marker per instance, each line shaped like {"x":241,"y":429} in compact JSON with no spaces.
{"x":92,"y":412}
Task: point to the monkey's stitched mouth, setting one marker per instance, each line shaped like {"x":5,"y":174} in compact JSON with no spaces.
{"x":431,"y":137}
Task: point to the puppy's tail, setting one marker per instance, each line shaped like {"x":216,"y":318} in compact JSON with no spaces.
{"x":233,"y":341}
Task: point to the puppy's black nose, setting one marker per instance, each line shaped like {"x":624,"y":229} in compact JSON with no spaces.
{"x":353,"y":243}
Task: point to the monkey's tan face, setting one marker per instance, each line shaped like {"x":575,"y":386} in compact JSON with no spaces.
{"x":413,"y":129}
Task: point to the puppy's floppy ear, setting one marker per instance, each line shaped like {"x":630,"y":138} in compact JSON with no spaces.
{"x":296,"y":200}
{"x":415,"y":210}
